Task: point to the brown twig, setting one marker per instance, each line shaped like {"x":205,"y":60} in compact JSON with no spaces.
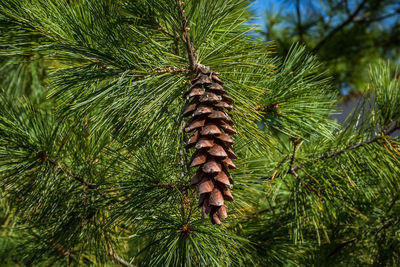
{"x":277,"y":168}
{"x":293,"y":171}
{"x":369,"y":21}
{"x":352,"y":147}
{"x":164,"y":31}
{"x":36,"y":208}
{"x":102,"y":65}
{"x":265,"y":211}
{"x":279,"y":165}
{"x":58,"y":249}
{"x":168,"y":70}
{"x":122,"y":262}
{"x":387,"y":225}
{"x":45,"y":157}
{"x":114,"y":257}
{"x":186,"y":38}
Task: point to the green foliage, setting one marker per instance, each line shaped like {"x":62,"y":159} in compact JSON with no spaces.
{"x":301,"y":97}
{"x":92,"y":165}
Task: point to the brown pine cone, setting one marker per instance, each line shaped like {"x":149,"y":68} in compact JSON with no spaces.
{"x":212,"y":129}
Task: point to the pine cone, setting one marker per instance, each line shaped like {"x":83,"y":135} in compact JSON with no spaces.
{"x":212,"y":129}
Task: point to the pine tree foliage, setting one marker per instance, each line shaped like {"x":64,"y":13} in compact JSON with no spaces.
{"x":93,"y":165}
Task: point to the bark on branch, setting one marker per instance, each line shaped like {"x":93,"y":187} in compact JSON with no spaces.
{"x":45,"y":157}
{"x":352,"y":147}
{"x":186,"y":37}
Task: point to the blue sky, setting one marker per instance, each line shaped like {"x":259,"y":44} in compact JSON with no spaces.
{"x":259,"y":8}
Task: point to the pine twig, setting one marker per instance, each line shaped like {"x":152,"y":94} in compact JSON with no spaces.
{"x":352,"y":147}
{"x":265,"y":211}
{"x":164,"y":31}
{"x":168,"y":70}
{"x":387,"y":225}
{"x":58,"y":249}
{"x":392,"y":204}
{"x":278,"y":166}
{"x":45,"y":157}
{"x":103,"y":66}
{"x":114,"y":257}
{"x":186,"y":38}
{"x":36,"y":208}
{"x":293,"y":171}
{"x":396,"y":13}
{"x":122,"y":261}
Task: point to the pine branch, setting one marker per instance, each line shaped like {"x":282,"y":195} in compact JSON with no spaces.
{"x":375,"y":232}
{"x":351,"y":147}
{"x":287,"y":157}
{"x":168,"y":70}
{"x":387,"y":225}
{"x":164,"y":31}
{"x":392,"y":204}
{"x":277,"y":168}
{"x":58,"y":249}
{"x":186,"y":38}
{"x":390,"y":222}
{"x":114,"y":257}
{"x":35,"y":209}
{"x":45,"y":157}
{"x":102,"y":65}
{"x":122,"y":261}
{"x":265,"y":210}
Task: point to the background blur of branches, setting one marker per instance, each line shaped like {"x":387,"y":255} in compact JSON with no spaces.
{"x":347,"y":35}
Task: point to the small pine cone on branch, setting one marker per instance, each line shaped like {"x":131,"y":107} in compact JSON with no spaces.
{"x":212,"y":129}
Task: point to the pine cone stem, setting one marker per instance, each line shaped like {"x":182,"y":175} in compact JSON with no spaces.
{"x":186,"y":38}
